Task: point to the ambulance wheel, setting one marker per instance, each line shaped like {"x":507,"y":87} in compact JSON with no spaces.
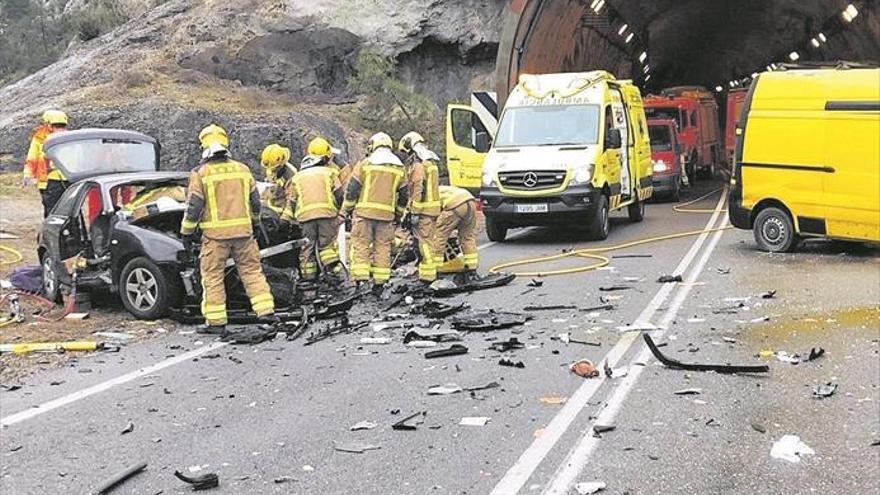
{"x":496,"y":231}
{"x":636,"y":211}
{"x":774,"y":231}
{"x":600,"y":224}
{"x":145,"y":291}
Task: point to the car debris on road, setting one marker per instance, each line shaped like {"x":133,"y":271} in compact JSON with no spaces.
{"x":718,"y":368}
{"x":200,"y":482}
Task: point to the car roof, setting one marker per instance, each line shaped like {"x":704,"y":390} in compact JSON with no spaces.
{"x":111,"y":180}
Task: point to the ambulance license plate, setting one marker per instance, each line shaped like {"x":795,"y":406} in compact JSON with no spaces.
{"x":532,"y":208}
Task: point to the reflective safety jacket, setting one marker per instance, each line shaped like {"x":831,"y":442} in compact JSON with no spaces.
{"x":277,"y":196}
{"x":424,"y":193}
{"x":151,"y":202}
{"x":316,"y":193}
{"x":377,"y":187}
{"x":222,"y":200}
{"x":452,"y":197}
{"x":37,"y":166}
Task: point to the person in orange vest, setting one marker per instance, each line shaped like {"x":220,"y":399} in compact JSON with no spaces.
{"x":424,"y":200}
{"x":224,"y":203}
{"x":377,"y":195}
{"x":458,"y":213}
{"x":38,"y":169}
{"x":315,"y":197}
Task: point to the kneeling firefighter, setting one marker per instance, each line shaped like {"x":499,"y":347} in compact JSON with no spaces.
{"x":424,"y":200}
{"x":223,"y":201}
{"x":376,"y":192}
{"x":278,"y":170}
{"x":458,"y":213}
{"x":314,"y":198}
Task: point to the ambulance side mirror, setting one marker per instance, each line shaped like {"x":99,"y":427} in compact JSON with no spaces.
{"x":612,"y":139}
{"x":481,"y":142}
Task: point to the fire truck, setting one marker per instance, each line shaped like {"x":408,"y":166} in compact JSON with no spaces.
{"x":735,"y":100}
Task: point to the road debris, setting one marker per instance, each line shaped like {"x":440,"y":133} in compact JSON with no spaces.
{"x":554,"y":400}
{"x":128,"y":428}
{"x":447,"y":389}
{"x":448,"y":336}
{"x":200,"y":482}
{"x":453,"y":350}
{"x":666,"y":279}
{"x":788,"y":358}
{"x":614,"y":288}
{"x":790,"y":448}
{"x":723,"y":270}
{"x":50,"y":347}
{"x":511,"y":364}
{"x":584,"y":369}
{"x":507,"y":345}
{"x":689,"y":391}
{"x":284,"y":479}
{"x":815,"y":353}
{"x":535,"y":283}
{"x":248,"y":334}
{"x":565,"y":338}
{"x":718,"y":368}
{"x":445,"y":287}
{"x":759,"y":428}
{"x":625,"y":256}
{"x":375,"y":340}
{"x":355,"y":447}
{"x":474,"y":421}
{"x":823,"y":391}
{"x":488,"y":320}
{"x":363,"y":425}
{"x":770,"y":294}
{"x":558,"y":307}
{"x":403,"y":424}
{"x":598,"y":430}
{"x":589,"y":487}
{"x":112,"y":482}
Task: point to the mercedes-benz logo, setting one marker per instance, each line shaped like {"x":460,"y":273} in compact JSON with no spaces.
{"x":530,"y":179}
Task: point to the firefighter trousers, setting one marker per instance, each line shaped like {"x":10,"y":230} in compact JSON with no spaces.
{"x":246,"y":254}
{"x":371,"y":242}
{"x":321,"y":234}
{"x":462,"y":218}
{"x":424,"y":235}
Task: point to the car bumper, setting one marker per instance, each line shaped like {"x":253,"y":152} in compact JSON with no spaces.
{"x":575,"y":204}
{"x":665,"y":184}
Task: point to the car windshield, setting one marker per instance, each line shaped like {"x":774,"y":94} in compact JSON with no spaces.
{"x":661,"y":139}
{"x":104,"y":156}
{"x":550,"y":125}
{"x":664,"y":113}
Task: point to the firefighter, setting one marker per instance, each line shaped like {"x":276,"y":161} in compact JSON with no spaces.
{"x":424,"y":200}
{"x":278,"y":170}
{"x":223,"y":201}
{"x":458,"y":213}
{"x":38,"y":169}
{"x":376,"y":192}
{"x":315,"y":197}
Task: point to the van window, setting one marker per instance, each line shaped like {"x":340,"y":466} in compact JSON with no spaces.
{"x":665,"y":113}
{"x":461,"y":127}
{"x":549,"y":125}
{"x":661,"y":138}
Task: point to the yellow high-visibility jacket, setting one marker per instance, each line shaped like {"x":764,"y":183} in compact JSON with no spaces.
{"x":424,"y":189}
{"x":377,"y":187}
{"x":315,"y":193}
{"x":37,"y":166}
{"x":222,"y":200}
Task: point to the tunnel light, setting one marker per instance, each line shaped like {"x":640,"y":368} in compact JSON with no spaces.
{"x":719,"y":89}
{"x":647,"y":68}
{"x":622,"y":29}
{"x":648,"y":78}
{"x":643,"y":57}
{"x":630,"y":37}
{"x":850,"y":13}
{"x":732,"y":84}
{"x":754,"y":75}
{"x":822,"y":37}
{"x":814,"y":42}
{"x":599,"y":5}
{"x":593,"y":5}
{"x":793,"y":56}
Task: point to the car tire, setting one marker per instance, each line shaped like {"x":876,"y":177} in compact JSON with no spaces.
{"x":636,"y":211}
{"x":145,"y":290}
{"x":600,"y":223}
{"x":50,"y":283}
{"x":774,"y":231}
{"x":495,"y":230}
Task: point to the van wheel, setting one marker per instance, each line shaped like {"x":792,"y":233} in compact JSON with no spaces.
{"x":636,"y":211}
{"x":496,"y":231}
{"x":600,"y":224}
{"x":145,"y":291}
{"x":774,"y":231}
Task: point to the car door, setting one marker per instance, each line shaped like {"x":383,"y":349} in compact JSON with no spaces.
{"x":63,"y":228}
{"x":463,"y":160}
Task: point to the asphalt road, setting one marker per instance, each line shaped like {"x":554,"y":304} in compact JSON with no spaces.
{"x":268,"y":418}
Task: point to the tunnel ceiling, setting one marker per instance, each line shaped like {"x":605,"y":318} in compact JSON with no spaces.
{"x":706,"y":42}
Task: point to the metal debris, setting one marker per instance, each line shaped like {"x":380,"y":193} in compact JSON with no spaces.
{"x":688,"y":391}
{"x":507,"y":345}
{"x":488,"y":320}
{"x":403,"y":424}
{"x":718,"y":368}
{"x":535,"y":283}
{"x":447,"y":389}
{"x":511,"y":364}
{"x":128,"y":428}
{"x":770,"y":294}
{"x":355,"y":447}
{"x":112,"y":482}
{"x":823,"y":391}
{"x":454,"y":350}
{"x":613,"y":288}
{"x":201,"y":482}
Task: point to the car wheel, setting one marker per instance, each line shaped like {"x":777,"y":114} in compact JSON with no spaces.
{"x":496,"y":230}
{"x":636,"y":211}
{"x":774,"y":231}
{"x":51,"y":285}
{"x":600,"y":224}
{"x":144,"y":289}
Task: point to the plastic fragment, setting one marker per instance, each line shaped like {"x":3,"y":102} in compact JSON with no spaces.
{"x":447,"y":389}
{"x":403,"y":425}
{"x":355,"y":447}
{"x":454,"y":350}
{"x":474,"y":421}
{"x":201,"y":482}
{"x":363,"y":425}
{"x":718,"y":368}
{"x":689,"y":391}
{"x":823,"y":391}
{"x":112,"y":482}
{"x":790,"y":448}
{"x":587,"y":488}
{"x":666,"y":279}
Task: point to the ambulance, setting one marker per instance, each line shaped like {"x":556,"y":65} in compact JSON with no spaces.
{"x":807,"y":158}
{"x":570,"y":149}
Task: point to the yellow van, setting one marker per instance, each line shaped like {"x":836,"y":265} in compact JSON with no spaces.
{"x":569,"y":149}
{"x":807,"y":157}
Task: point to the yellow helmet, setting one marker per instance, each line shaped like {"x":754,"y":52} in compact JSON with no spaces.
{"x":213,"y":134}
{"x":379,"y":140}
{"x":409,"y":140}
{"x":320,"y":147}
{"x":55,"y":117}
{"x":274,"y":156}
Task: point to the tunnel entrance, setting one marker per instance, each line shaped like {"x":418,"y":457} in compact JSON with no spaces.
{"x":718,"y":44}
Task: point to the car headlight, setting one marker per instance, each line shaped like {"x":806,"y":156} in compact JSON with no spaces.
{"x":660,"y":166}
{"x":489,"y":177}
{"x":582,"y":175}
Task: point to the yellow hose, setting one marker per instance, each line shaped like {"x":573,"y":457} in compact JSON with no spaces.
{"x":18,"y":257}
{"x":683,"y":207}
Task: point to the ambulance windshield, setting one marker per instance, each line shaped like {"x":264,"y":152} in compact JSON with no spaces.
{"x":549,"y":126}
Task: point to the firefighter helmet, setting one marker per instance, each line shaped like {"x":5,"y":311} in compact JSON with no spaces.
{"x":274,"y":156}
{"x":213,"y":134}
{"x":55,"y":117}
{"x":379,"y":140}
{"x":409,"y":140}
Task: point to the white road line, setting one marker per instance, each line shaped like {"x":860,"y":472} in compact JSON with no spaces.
{"x":517,"y":476}
{"x":514,"y":236}
{"x":578,"y":458}
{"x":101,"y":387}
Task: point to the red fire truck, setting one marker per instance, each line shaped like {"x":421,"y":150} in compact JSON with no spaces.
{"x":735,"y":100}
{"x":695,"y":112}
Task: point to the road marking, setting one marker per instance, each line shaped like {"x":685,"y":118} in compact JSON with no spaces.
{"x":517,"y":476}
{"x":579,"y":456}
{"x":515,"y":236}
{"x":101,"y":387}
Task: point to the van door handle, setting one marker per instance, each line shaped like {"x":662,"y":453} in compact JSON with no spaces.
{"x":453,"y":159}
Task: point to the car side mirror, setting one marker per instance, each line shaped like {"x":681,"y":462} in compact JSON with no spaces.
{"x":612,"y":139}
{"x":482,"y":142}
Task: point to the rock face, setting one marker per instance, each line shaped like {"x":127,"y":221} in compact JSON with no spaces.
{"x":269,"y":70}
